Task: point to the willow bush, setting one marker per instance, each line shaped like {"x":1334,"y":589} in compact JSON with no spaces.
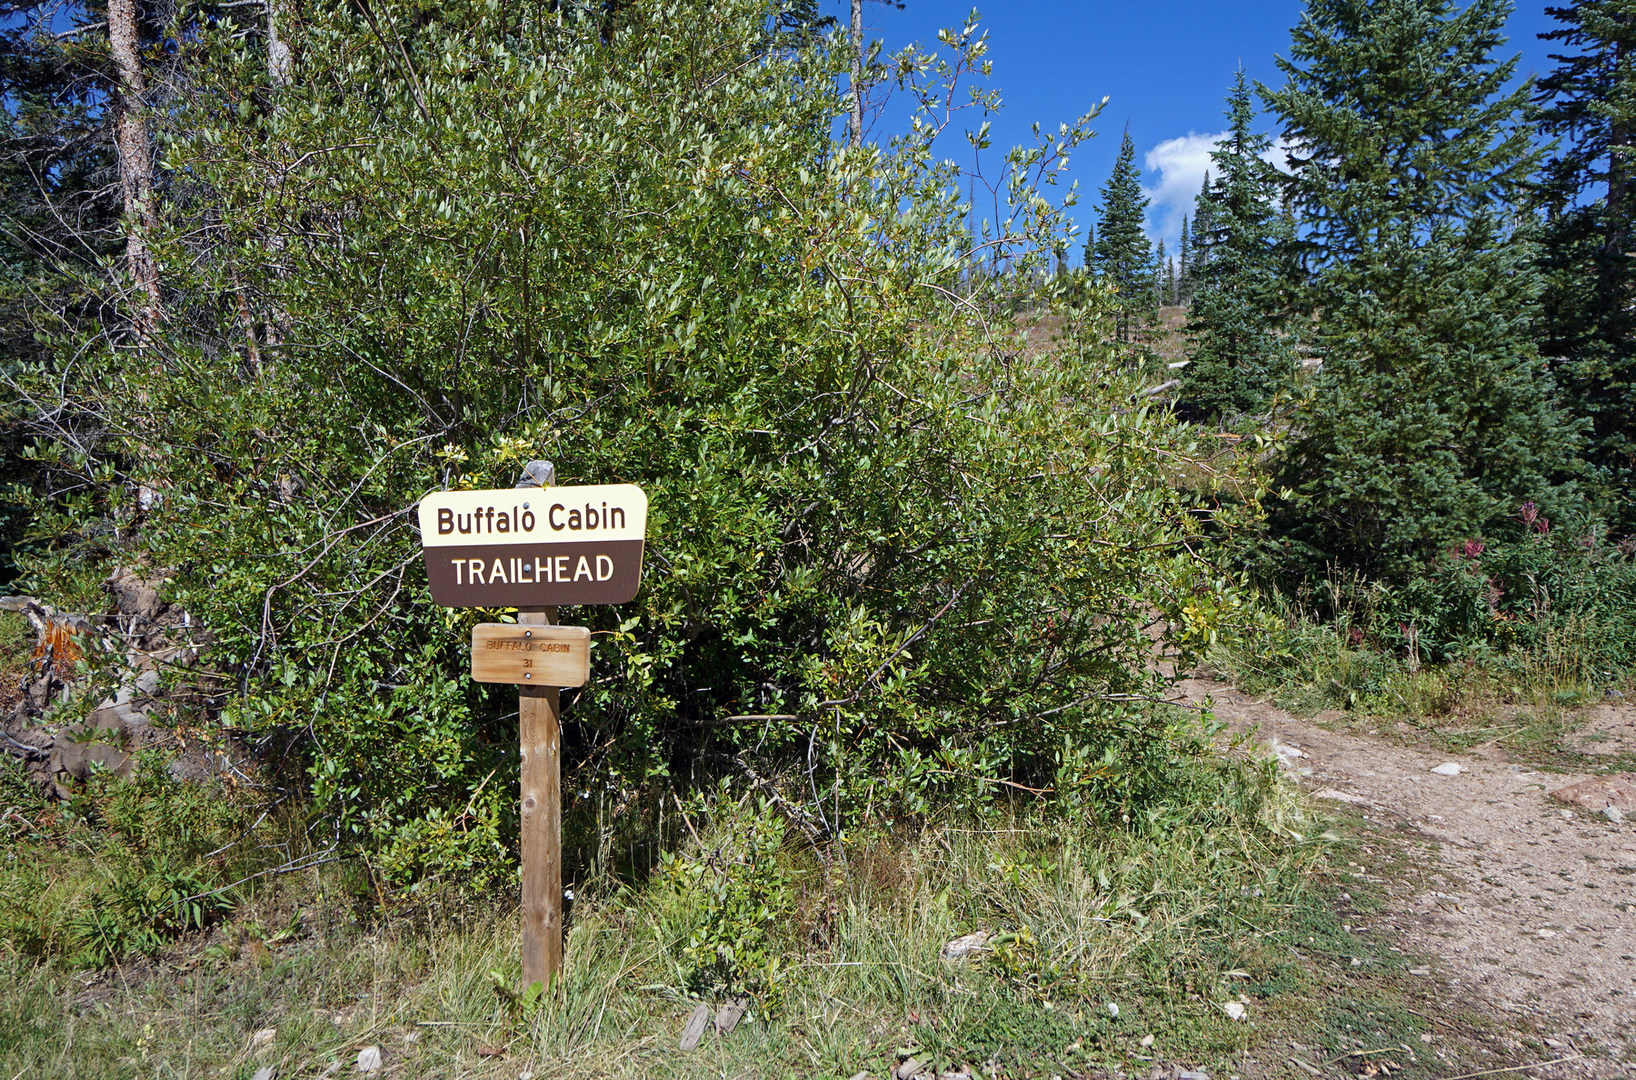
{"x":917,"y":551}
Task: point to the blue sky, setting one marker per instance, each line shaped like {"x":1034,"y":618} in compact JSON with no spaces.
{"x":1164,"y":68}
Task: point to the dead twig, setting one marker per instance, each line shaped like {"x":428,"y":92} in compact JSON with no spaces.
{"x":1518,"y":1068}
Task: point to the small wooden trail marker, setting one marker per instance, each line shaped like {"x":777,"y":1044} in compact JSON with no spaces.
{"x":508,"y":548}
{"x":530,"y":655}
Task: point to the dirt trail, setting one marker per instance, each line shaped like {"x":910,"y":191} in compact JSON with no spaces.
{"x":1531,"y":909}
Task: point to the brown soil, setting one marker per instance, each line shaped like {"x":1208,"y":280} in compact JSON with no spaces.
{"x":1530,"y":909}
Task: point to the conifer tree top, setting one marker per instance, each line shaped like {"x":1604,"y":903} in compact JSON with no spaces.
{"x":1398,"y":118}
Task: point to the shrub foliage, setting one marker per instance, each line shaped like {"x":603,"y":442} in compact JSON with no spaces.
{"x":887,"y":543}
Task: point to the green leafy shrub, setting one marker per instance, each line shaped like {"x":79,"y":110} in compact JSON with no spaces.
{"x":877,"y":520}
{"x":142,"y":906}
{"x":741,"y":898}
{"x":1564,"y":596}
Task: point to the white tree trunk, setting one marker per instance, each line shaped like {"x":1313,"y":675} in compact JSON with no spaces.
{"x":857,"y":72}
{"x":135,"y":163}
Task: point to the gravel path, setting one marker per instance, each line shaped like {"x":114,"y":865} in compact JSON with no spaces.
{"x":1532,"y":906}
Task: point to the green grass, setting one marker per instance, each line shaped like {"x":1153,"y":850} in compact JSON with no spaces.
{"x":15,"y":637}
{"x":1527,"y":706}
{"x":1166,"y":920}
{"x":839,"y":948}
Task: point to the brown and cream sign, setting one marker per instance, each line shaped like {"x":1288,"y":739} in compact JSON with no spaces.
{"x":534,"y":547}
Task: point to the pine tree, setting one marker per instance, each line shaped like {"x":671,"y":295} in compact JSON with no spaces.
{"x":1184,"y":270}
{"x":1589,"y":103}
{"x":1168,"y":290}
{"x":1240,"y":355}
{"x":1122,"y":253}
{"x":1198,"y":241}
{"x":1160,"y":297}
{"x":1432,"y":418}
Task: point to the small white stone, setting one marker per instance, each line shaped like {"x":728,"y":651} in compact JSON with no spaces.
{"x":369,"y":1059}
{"x":1113,"y":1009}
{"x":264,"y":1037}
{"x":1449,"y":768}
{"x":1614,"y":814}
{"x":1233,"y":1009}
{"x":1147,"y":1040}
{"x":962,"y":947}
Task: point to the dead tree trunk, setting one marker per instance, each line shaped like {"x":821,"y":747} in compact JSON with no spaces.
{"x":135,"y":163}
{"x":278,"y":50}
{"x":857,"y":72}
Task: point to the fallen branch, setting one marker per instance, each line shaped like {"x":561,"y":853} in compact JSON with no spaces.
{"x":1518,"y":1068}
{"x":291,"y":867}
{"x":995,"y":780}
{"x":28,"y":753}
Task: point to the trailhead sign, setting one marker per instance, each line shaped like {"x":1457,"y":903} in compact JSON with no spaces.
{"x":534,"y":547}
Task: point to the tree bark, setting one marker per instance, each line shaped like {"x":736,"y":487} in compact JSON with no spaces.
{"x":135,"y":163}
{"x":857,"y":72}
{"x":278,"y":50}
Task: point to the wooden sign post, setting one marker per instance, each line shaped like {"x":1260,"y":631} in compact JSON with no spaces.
{"x":539,"y":738}
{"x":576,"y":545}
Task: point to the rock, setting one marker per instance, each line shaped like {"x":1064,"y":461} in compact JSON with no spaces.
{"x":1614,"y":814}
{"x":862,"y":1076}
{"x":133,"y":596}
{"x":1617,"y":791}
{"x":369,"y":1060}
{"x":1340,"y":796}
{"x":1192,"y":1074}
{"x":1287,"y":752}
{"x":1449,"y":768}
{"x":909,"y":1067}
{"x":1146,"y":1041}
{"x":694,"y":1031}
{"x":1233,"y":1009}
{"x":76,"y":755}
{"x":962,"y":947}
{"x":266,"y":1072}
{"x":264,"y":1037}
{"x":1113,"y":1009}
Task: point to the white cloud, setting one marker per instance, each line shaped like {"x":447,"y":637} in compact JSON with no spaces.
{"x":1181,"y":164}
